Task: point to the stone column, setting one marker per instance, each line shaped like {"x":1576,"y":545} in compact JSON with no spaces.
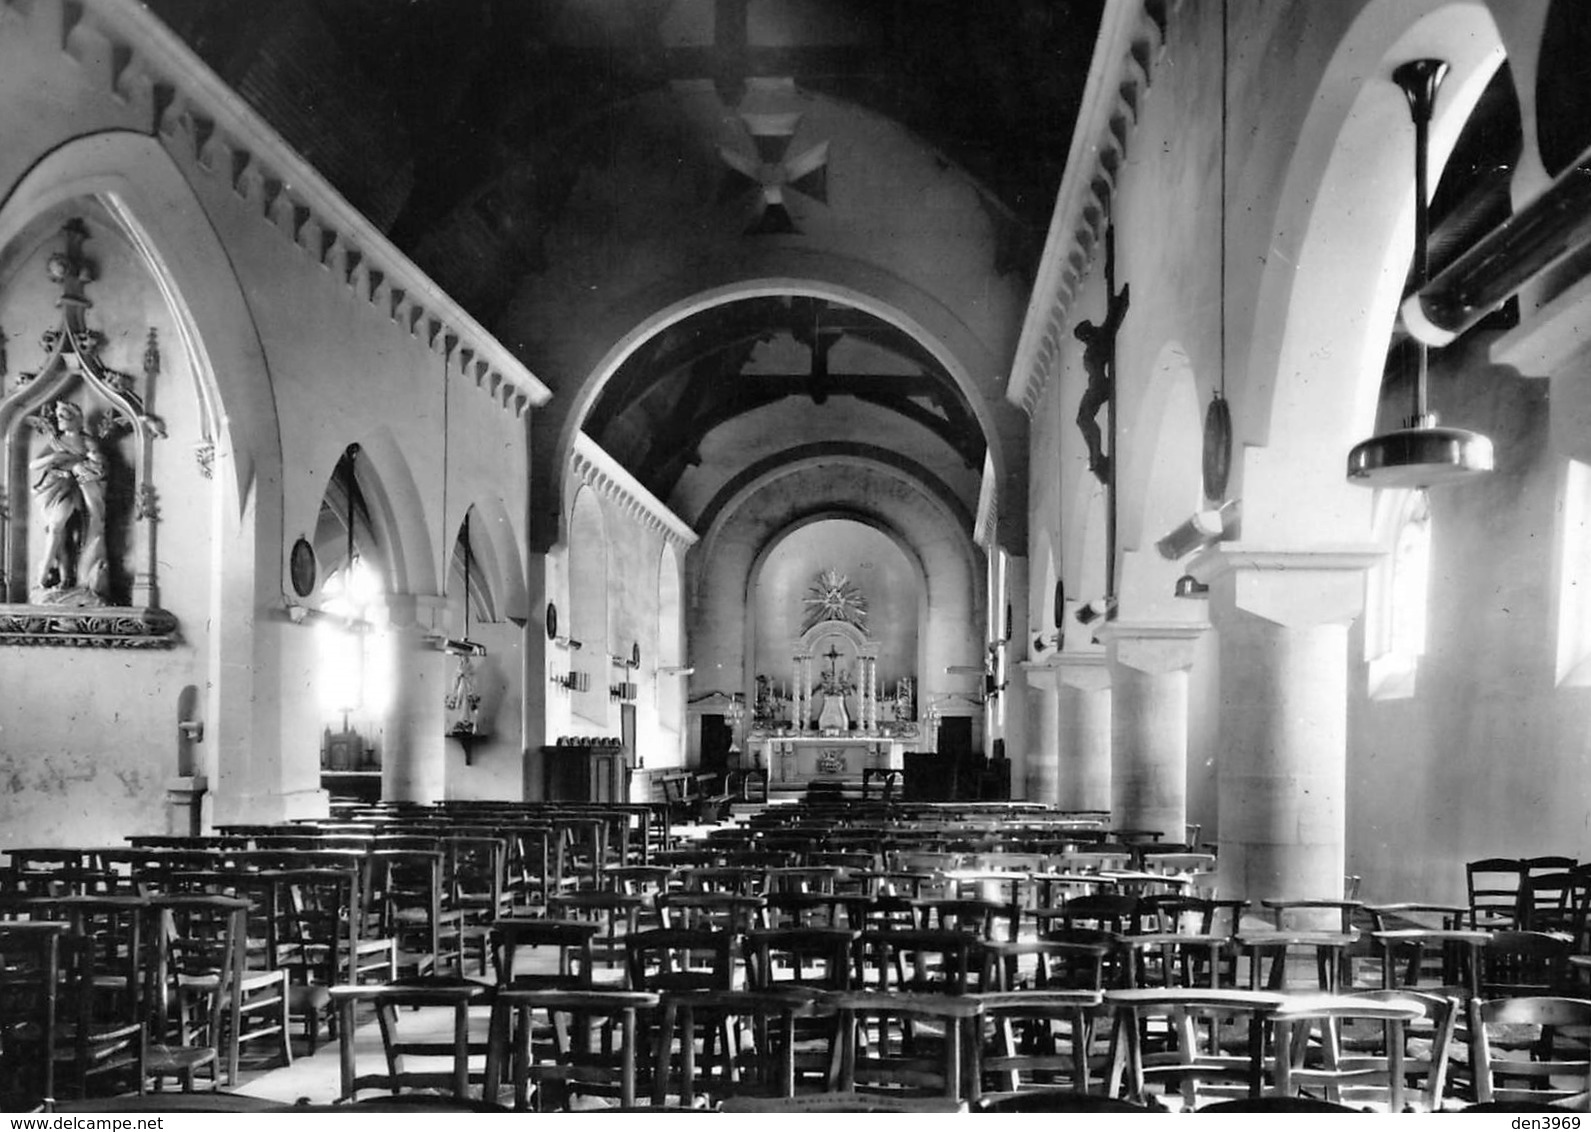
{"x":1083,"y":731}
{"x":413,"y":764}
{"x":1149,"y":724}
{"x":1041,"y":781}
{"x":1283,"y":619}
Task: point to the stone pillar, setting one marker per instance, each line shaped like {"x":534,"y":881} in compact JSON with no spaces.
{"x":1283,"y":619}
{"x":1149,"y":725}
{"x":412,"y":759}
{"x":1041,"y":780}
{"x":1083,"y":731}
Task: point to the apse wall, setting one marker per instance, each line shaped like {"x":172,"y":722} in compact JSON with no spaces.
{"x":871,"y":561}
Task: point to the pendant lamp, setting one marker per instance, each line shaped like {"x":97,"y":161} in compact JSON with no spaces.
{"x":1422,"y":453}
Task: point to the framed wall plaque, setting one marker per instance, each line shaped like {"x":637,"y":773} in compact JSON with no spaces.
{"x":301,"y":567}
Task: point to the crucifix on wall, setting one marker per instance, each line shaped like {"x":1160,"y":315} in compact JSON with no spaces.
{"x":1099,"y":362}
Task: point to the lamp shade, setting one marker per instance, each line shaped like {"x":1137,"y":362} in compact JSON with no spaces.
{"x":1426,"y":455}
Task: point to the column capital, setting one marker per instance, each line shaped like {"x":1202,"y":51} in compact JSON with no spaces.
{"x":424,"y":612}
{"x":1083,"y":670}
{"x":1290,"y":587}
{"x":1152,"y":647}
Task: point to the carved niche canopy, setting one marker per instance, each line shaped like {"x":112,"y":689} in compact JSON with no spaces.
{"x":77,"y":504}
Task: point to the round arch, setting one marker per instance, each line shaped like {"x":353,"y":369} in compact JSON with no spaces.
{"x":729,"y":553}
{"x":1313,"y":369}
{"x":970,"y":364}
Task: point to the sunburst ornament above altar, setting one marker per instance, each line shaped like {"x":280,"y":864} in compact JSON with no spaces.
{"x":834,"y":597}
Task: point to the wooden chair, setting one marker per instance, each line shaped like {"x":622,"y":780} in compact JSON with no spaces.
{"x":1541,"y":1068}
{"x":30,"y":971}
{"x":1037,"y":1039}
{"x":200,"y":947}
{"x":387,"y":1000}
{"x":869,"y":1054}
{"x":584,"y":1057}
{"x":101,"y":1032}
{"x":841,"y":1102}
{"x":1352,"y":1064}
{"x":1220,"y":1039}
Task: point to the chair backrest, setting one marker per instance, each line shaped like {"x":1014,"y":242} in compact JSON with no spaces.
{"x":1519,"y":964}
{"x":918,"y":961}
{"x":1101,"y":910}
{"x":801,"y":957}
{"x":1493,"y":884}
{"x":1552,"y":1069}
{"x":667,"y":959}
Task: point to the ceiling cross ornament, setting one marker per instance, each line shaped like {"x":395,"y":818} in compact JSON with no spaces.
{"x":834,"y":597}
{"x":773,"y":170}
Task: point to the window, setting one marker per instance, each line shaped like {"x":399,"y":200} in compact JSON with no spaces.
{"x":1574,"y":579}
{"x":1398,"y":595}
{"x":354,"y":658}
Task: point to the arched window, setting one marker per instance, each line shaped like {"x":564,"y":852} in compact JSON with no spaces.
{"x":1399,"y":593}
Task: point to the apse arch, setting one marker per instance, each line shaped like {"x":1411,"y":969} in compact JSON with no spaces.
{"x":723,"y":562}
{"x":793,"y":272}
{"x":893,"y":536}
{"x":1314,"y":366}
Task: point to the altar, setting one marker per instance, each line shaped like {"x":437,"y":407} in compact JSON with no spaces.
{"x":793,"y":762}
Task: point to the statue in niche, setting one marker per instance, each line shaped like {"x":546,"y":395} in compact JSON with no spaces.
{"x":1099,"y":361}
{"x":68,"y":479}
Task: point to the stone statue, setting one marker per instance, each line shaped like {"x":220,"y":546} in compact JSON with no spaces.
{"x":464,"y":701}
{"x":69,"y":485}
{"x":1099,"y":360}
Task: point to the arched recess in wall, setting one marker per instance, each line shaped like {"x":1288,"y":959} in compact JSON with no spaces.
{"x":880,"y":564}
{"x":723,"y":562}
{"x":388,"y":482}
{"x":588,"y":606}
{"x":495,"y":548}
{"x":1343,"y":226}
{"x":670,"y":645}
{"x":352,"y":653}
{"x":137,"y":182}
{"x":1043,"y":613}
{"x":1163,"y":474}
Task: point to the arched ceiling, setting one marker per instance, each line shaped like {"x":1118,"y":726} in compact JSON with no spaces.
{"x":460,"y":126}
{"x":520,"y":148}
{"x":729,"y":361}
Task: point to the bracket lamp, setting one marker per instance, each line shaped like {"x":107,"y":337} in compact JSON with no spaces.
{"x":1198,"y":531}
{"x":1421,"y":453}
{"x":1103,"y":608}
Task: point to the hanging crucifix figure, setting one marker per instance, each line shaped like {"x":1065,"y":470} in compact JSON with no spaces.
{"x":1099,"y":360}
